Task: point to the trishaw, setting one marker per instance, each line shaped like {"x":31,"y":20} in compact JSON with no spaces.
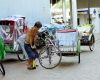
{"x":69,"y":43}
{"x":86,"y":35}
{"x":11,"y":28}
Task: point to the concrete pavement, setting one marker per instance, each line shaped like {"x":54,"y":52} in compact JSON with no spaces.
{"x":69,"y":69}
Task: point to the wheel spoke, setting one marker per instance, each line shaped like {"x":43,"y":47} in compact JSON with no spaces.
{"x":51,"y":59}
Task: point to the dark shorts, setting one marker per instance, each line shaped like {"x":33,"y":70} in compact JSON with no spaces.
{"x":32,"y":53}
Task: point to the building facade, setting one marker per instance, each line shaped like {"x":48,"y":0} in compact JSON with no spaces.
{"x":80,"y":4}
{"x":33,"y":10}
{"x":95,"y":17}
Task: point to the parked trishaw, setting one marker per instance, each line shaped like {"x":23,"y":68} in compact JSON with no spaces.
{"x":69,"y":43}
{"x":86,"y":35}
{"x":10,"y":29}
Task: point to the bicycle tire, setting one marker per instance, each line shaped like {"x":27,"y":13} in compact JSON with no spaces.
{"x":50,"y":67}
{"x":21,"y":56}
{"x":91,"y":43}
{"x":2,"y":69}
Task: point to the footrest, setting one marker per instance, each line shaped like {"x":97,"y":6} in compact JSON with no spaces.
{"x":68,"y":54}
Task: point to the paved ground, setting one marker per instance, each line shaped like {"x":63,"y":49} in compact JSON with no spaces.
{"x":69,"y":69}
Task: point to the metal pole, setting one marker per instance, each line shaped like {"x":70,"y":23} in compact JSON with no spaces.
{"x":51,"y":10}
{"x":74,"y":13}
{"x":71,"y":13}
{"x":89,"y":12}
{"x":64,"y":10}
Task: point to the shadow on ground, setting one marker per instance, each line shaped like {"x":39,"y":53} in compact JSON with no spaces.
{"x":68,"y":64}
{"x":11,"y":60}
{"x":85,"y":51}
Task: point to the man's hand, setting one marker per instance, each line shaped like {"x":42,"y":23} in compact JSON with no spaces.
{"x":38,"y":38}
{"x":33,"y":47}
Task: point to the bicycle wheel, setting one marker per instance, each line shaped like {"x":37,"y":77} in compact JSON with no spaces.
{"x":21,"y":56}
{"x":91,"y":43}
{"x":2,"y":69}
{"x":49,"y":57}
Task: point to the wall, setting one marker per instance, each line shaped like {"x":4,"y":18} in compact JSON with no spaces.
{"x":95,"y":19}
{"x":34,"y":10}
{"x":84,"y":3}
